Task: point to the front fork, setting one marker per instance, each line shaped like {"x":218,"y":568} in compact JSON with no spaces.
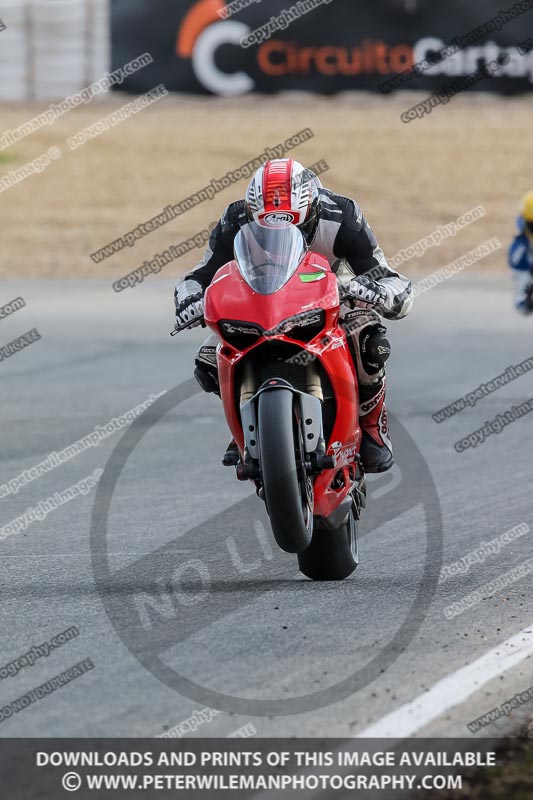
{"x":314,"y":444}
{"x":310,"y":414}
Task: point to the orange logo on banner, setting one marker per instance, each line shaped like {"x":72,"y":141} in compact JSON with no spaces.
{"x":204,"y":13}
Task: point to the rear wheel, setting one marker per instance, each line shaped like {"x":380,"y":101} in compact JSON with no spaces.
{"x":287,"y":488}
{"x":333,"y":553}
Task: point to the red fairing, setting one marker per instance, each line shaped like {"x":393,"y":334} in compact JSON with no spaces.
{"x":229,"y":297}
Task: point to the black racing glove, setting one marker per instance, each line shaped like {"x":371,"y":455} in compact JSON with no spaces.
{"x":189,"y":299}
{"x":363,"y":290}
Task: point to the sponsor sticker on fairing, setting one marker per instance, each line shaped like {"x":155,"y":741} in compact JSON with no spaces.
{"x":309,"y":277}
{"x":344,"y":454}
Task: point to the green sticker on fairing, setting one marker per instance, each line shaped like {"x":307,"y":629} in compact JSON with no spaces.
{"x":308,"y":277}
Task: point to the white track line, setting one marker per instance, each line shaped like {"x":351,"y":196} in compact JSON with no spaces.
{"x":445,"y":694}
{"x":452,"y":690}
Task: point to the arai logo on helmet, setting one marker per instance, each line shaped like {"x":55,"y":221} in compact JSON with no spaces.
{"x":275,"y":218}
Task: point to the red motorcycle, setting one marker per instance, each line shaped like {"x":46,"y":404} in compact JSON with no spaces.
{"x":290,"y":394}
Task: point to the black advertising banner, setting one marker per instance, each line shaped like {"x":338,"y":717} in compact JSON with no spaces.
{"x":233,"y":47}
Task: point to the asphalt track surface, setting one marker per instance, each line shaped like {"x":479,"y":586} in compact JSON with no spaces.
{"x":227,"y":612}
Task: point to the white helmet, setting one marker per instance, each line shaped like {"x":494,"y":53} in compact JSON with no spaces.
{"x":283,"y":191}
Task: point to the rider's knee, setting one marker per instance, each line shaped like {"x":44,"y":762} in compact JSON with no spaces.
{"x":375,"y":350}
{"x":369,"y":345}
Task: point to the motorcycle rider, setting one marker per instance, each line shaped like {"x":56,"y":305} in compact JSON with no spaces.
{"x":334,"y":227}
{"x":521,"y":256}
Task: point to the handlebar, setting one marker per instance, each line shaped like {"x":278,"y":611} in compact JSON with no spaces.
{"x":188,"y":325}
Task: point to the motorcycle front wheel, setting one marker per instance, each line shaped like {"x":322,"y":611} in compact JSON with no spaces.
{"x":286,"y":488}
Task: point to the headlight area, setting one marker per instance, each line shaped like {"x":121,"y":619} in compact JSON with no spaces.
{"x":240,"y":334}
{"x":302,"y":327}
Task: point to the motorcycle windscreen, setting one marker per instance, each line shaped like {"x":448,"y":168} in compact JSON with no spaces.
{"x":268,"y":257}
